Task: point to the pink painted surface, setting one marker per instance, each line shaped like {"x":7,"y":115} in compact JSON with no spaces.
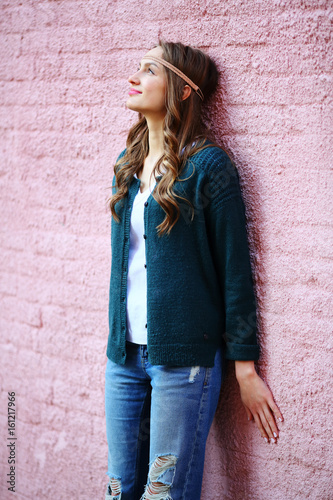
{"x":63,"y":71}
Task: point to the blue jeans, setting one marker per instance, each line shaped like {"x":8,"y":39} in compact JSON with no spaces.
{"x":157,"y":424}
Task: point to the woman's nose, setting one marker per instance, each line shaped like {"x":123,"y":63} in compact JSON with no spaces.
{"x":134,"y":79}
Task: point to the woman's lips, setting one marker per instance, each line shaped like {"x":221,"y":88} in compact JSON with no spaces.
{"x":134,"y":91}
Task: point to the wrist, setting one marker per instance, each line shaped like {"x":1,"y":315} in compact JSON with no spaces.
{"x":244,"y":369}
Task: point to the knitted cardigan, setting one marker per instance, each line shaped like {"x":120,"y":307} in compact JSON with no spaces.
{"x":199,"y":284}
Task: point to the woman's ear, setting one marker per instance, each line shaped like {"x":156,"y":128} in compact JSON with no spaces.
{"x":186,"y":92}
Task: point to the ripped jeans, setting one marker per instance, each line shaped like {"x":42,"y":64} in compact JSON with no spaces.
{"x":157,"y":424}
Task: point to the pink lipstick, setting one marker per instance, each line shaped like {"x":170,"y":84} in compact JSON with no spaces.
{"x":134,"y":91}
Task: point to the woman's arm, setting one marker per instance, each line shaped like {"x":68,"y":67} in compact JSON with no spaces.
{"x":258,"y":400}
{"x":230,"y":252}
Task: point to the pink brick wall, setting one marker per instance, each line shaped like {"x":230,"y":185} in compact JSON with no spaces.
{"x":63,"y":71}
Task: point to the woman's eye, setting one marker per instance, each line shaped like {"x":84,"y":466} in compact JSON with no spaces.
{"x":151,"y":71}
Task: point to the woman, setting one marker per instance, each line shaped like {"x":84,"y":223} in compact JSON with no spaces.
{"x":181,"y":294}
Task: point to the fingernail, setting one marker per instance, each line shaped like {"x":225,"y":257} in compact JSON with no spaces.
{"x":266,"y":440}
{"x":274,"y":434}
{"x":272,"y":440}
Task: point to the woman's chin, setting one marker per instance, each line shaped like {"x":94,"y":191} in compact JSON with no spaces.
{"x":131,"y":105}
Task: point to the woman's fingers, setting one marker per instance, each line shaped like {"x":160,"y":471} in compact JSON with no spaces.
{"x":268,"y":433}
{"x":270,"y":425}
{"x":264,"y":418}
{"x":277,"y":414}
{"x":266,"y":415}
{"x":272,"y":415}
{"x":249,"y":414}
{"x":259,"y":404}
{"x":261,"y":428}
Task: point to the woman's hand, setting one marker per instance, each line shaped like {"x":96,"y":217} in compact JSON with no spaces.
{"x":258,"y":400}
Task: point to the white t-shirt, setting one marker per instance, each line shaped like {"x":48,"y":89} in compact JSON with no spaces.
{"x":137,"y":273}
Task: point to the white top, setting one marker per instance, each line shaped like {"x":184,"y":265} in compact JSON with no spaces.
{"x":137,"y":274}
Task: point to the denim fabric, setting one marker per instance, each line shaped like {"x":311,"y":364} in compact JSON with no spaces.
{"x":159,"y":411}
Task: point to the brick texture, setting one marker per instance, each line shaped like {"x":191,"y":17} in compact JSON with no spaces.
{"x":63,"y":83}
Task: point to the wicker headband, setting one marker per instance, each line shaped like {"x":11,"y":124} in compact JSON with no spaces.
{"x":178,"y":72}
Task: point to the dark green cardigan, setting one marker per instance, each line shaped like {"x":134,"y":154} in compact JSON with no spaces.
{"x":199,"y":283}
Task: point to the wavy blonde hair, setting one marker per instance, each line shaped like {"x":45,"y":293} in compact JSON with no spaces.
{"x":184,"y":132}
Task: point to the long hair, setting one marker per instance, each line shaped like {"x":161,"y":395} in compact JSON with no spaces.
{"x":184,"y":131}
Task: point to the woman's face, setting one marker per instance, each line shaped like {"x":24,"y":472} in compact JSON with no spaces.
{"x":148,"y":86}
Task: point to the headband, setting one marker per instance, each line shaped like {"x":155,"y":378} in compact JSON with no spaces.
{"x":178,"y":72}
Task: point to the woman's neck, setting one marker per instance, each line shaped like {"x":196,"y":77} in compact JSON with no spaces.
{"x":156,"y":150}
{"x":155,"y":140}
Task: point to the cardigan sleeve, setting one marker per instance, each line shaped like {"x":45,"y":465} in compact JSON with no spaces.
{"x":228,"y":239}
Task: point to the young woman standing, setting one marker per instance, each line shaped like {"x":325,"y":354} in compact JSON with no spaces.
{"x":181,"y":293}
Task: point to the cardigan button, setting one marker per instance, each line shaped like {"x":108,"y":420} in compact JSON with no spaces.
{"x":146,"y":325}
{"x":145,"y":236}
{"x":145,"y":266}
{"x":146,"y":204}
